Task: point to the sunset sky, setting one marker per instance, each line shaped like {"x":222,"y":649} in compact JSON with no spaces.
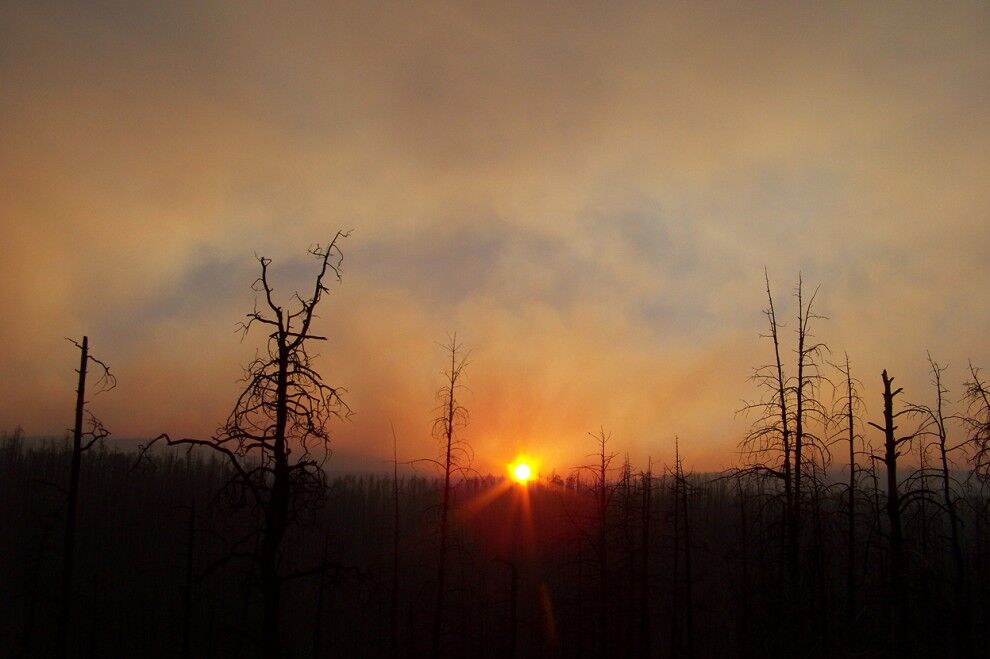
{"x":587,"y":193}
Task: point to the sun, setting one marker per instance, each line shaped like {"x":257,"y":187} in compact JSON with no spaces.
{"x":522,"y":469}
{"x":522,"y":472}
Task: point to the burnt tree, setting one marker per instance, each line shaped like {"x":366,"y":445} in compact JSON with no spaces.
{"x":935,"y":425}
{"x":892,"y":451}
{"x":86,"y":431}
{"x":276,"y":439}
{"x":451,"y":417}
{"x":782,"y":442}
{"x":847,"y":419}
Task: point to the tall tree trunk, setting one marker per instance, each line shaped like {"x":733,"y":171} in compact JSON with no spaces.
{"x":851,"y":510}
{"x":962,"y":613}
{"x":644,"y":593}
{"x":394,"y":594}
{"x":784,"y":422}
{"x":675,"y":609}
{"x":71,"y":504}
{"x":276,"y":518}
{"x":438,"y":615}
{"x":604,"y":612}
{"x":688,"y":584}
{"x":794,"y":545}
{"x":625,"y":605}
{"x":898,"y":622}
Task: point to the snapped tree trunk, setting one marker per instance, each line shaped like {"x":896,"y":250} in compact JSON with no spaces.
{"x":898,"y":617}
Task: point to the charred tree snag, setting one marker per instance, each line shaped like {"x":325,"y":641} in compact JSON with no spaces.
{"x":848,"y":414}
{"x":645,"y":635}
{"x":783,"y":444}
{"x":276,"y":439}
{"x":806,"y":404}
{"x":682,"y":599}
{"x":393,"y":605}
{"x":451,"y":418}
{"x":769,"y":442}
{"x":935,"y":425}
{"x":892,"y":444}
{"x":82,"y":440}
{"x":603,"y":498}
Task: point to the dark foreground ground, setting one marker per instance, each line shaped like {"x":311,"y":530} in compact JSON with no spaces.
{"x":646,"y":567}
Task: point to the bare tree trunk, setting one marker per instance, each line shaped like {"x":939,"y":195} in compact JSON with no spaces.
{"x":898,"y":622}
{"x":277,"y":514}
{"x":851,"y":510}
{"x":794,"y":546}
{"x":602,"y":496}
{"x":821,"y":621}
{"x":448,"y":465}
{"x":69,"y":546}
{"x":625,"y":605}
{"x":960,"y":587}
{"x":644,"y":595}
{"x":688,"y":585}
{"x":675,"y":598}
{"x":394,"y":594}
{"x":284,"y":399}
{"x":784,"y":424}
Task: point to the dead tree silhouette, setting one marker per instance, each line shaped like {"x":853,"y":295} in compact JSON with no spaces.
{"x":451,"y":418}
{"x":936,"y":425}
{"x":603,"y":491}
{"x":83,"y":439}
{"x":781,"y":443}
{"x":847,"y":430}
{"x":393,"y":604}
{"x":682,"y":544}
{"x":276,"y":439}
{"x":645,"y":631}
{"x":806,"y":405}
{"x":769,"y":442}
{"x":895,"y":502}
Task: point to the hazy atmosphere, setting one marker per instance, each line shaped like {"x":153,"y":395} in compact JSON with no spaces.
{"x":588,"y":197}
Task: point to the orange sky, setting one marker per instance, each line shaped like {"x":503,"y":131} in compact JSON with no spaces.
{"x":586,"y":193}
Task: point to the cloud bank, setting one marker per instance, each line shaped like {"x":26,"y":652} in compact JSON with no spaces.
{"x":587,"y":195}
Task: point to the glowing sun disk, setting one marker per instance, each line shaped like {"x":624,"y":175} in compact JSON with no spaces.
{"x":522,"y":472}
